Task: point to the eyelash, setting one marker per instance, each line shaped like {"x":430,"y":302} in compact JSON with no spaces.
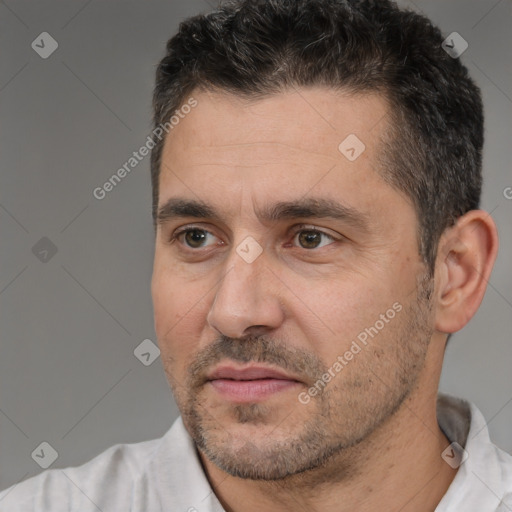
{"x":301,"y":228}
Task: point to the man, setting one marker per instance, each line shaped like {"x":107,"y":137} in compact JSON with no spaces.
{"x":316,"y":181}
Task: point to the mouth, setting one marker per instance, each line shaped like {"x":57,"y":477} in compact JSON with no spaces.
{"x":250,"y":383}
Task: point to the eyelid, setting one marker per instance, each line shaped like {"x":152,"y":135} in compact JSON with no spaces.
{"x":190,"y":227}
{"x":309,"y":227}
{"x":293,"y":231}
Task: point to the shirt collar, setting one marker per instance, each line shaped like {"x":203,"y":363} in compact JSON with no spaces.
{"x":175,"y":475}
{"x":481,"y":481}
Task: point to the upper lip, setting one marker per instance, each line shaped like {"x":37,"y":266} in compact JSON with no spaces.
{"x":248,"y":373}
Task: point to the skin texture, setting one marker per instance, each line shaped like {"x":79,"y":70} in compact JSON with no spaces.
{"x":369,"y":440}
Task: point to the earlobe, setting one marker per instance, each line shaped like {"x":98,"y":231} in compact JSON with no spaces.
{"x":466,"y":255}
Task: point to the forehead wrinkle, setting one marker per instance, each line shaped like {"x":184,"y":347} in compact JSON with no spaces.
{"x":239,"y":147}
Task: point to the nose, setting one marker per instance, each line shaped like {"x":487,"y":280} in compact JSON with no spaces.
{"x":246,"y":299}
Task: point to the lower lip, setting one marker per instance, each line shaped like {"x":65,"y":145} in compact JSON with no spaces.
{"x":251,"y":390}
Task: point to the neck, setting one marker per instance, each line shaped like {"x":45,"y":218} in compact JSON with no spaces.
{"x":398,"y":467}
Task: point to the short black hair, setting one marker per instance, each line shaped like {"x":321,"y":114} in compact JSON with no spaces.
{"x":432,"y":150}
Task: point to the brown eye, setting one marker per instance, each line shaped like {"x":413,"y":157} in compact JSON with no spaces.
{"x":312,"y":238}
{"x":194,"y":238}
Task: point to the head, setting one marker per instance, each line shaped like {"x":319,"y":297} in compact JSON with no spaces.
{"x":281,"y":90}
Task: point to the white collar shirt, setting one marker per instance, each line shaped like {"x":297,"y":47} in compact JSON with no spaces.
{"x":166,"y":474}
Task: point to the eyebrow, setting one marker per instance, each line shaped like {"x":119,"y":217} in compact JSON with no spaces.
{"x":314,"y":208}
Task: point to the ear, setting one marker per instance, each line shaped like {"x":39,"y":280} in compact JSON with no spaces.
{"x":465,"y":258}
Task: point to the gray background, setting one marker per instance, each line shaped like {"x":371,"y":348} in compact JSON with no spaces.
{"x":70,"y":324}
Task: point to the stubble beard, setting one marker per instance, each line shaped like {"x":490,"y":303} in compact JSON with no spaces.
{"x":350,"y":408}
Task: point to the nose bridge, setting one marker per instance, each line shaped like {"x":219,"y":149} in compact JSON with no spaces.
{"x":243,"y":298}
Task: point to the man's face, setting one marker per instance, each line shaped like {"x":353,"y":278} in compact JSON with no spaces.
{"x":285,"y":337}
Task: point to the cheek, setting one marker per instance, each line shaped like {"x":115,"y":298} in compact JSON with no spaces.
{"x":165,"y":302}
{"x":178,"y":307}
{"x":342,"y":310}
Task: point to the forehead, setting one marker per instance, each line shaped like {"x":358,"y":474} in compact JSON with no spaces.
{"x":292,"y":124}
{"x":285,"y":147}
